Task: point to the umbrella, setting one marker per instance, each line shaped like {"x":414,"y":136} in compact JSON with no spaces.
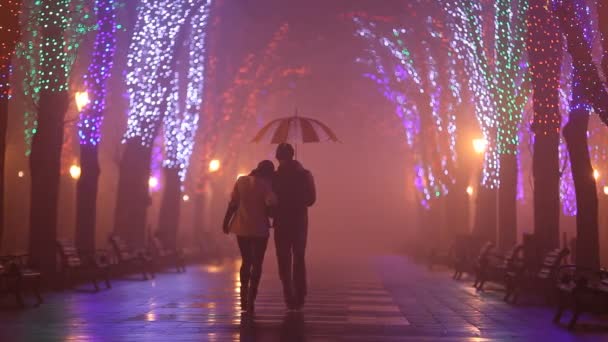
{"x":295,"y":129}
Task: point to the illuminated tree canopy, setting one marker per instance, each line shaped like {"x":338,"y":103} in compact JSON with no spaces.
{"x":420,"y":77}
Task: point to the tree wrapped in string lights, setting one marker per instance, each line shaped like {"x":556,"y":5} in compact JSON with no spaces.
{"x":9,"y":35}
{"x":51,"y":88}
{"x":160,"y":32}
{"x":544,"y":46}
{"x":242,"y":100}
{"x":425,"y":99}
{"x":588,"y":92}
{"x":181,"y":122}
{"x":91,"y":118}
{"x":77,"y":21}
{"x":493,"y":50}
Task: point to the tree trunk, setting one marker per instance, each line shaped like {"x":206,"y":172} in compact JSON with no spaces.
{"x":507,"y":202}
{"x":3,"y":126}
{"x":168,"y":221}
{"x":545,"y":46}
{"x":133,"y":196}
{"x":575,"y":133}
{"x":545,"y":170}
{"x":9,"y":34}
{"x":485,"y":215}
{"x":86,"y":195}
{"x":45,"y":164}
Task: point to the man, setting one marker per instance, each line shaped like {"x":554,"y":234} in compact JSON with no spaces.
{"x":295,"y":190}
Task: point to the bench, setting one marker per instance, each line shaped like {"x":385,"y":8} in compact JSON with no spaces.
{"x":92,"y":265}
{"x":494,"y":267}
{"x":533,"y":278}
{"x":131,"y":260}
{"x":581,"y":290}
{"x":467,"y":251}
{"x":16,"y":276}
{"x":173,"y":257}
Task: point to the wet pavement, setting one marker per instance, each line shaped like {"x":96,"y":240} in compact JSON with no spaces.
{"x":381,"y":298}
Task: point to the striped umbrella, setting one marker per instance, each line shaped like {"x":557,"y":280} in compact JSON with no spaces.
{"x":296,"y":129}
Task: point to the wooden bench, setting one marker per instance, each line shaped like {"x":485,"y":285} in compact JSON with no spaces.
{"x":91,"y":265}
{"x":467,"y":251}
{"x":173,"y":257}
{"x":494,"y":267}
{"x":533,"y":278}
{"x":131,"y":260}
{"x":16,"y":276}
{"x":581,"y":290}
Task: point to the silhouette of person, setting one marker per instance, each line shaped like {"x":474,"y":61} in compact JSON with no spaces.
{"x":247,"y":218}
{"x":295,"y":190}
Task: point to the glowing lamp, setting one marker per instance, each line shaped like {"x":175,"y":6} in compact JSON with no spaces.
{"x":20,"y":174}
{"x":185,"y":198}
{"x":75,"y":171}
{"x":480,"y":145}
{"x":82,"y":99}
{"x":596,"y":174}
{"x":153,"y":182}
{"x":214,"y":165}
{"x":470,"y":190}
{"x":606,"y":190}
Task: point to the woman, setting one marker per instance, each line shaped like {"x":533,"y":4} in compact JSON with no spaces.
{"x":247,"y":218}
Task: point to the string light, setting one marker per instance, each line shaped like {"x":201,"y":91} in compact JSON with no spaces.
{"x":47,"y":61}
{"x":576,"y":35}
{"x":182,"y":117}
{"x":425,"y":90}
{"x":497,"y":73}
{"x":9,"y":35}
{"x":148,"y":66}
{"x":92,"y":108}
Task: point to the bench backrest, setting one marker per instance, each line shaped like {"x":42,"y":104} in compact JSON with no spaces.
{"x":120,"y":247}
{"x":68,"y":253}
{"x":158,"y":246}
{"x":513,"y":257}
{"x":551,"y":263}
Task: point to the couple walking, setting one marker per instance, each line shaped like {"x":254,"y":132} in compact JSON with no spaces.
{"x":283,"y":195}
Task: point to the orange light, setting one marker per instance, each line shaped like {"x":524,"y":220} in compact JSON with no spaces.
{"x":214,"y":165}
{"x":185,"y":198}
{"x":82,"y":99}
{"x":606,"y":190}
{"x":596,"y":174}
{"x":480,"y":145}
{"x":470,"y":190}
{"x":20,"y":174}
{"x":75,"y":171}
{"x":153,"y":182}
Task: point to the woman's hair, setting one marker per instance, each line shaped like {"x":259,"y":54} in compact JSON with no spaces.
{"x":264,"y":169}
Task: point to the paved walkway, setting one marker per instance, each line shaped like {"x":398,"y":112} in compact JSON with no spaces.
{"x":384,"y":298}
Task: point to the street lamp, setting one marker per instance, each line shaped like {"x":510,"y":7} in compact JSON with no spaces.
{"x":153,"y":183}
{"x":214,"y":165}
{"x":82,"y":99}
{"x":75,"y":171}
{"x":480,"y":145}
{"x":470,"y":190}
